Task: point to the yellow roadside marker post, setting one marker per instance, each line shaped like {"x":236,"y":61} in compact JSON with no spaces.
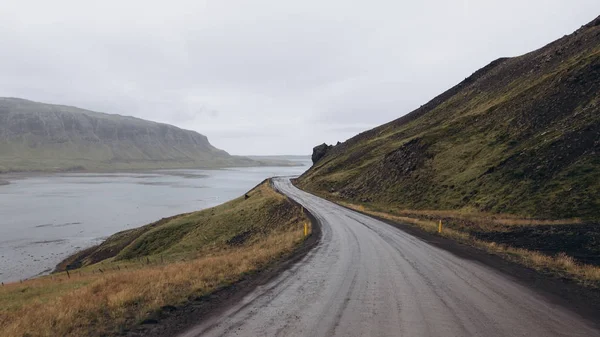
{"x":305,"y":229}
{"x":440,"y":227}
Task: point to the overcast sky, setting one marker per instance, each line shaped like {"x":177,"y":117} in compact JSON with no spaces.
{"x":265,"y":77}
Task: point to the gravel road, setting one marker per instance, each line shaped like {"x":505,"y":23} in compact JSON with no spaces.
{"x":367,"y":278}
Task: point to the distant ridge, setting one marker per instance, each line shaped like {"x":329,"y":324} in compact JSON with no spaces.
{"x":46,"y":137}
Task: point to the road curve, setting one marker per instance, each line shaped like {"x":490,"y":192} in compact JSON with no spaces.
{"x":367,"y":278}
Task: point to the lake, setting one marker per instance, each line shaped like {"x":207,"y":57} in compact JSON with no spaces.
{"x":44,"y":218}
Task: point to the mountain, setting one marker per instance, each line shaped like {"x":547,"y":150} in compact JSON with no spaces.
{"x":520,"y":136}
{"x":45,"y":137}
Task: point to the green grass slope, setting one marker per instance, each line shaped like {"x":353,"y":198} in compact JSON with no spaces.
{"x":520,"y":136}
{"x":243,"y":221}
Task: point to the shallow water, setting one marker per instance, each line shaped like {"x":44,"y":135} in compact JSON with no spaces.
{"x":45,"y":218}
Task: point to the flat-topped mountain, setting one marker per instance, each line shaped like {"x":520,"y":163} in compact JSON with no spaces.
{"x":46,"y":137}
{"x":521,"y":135}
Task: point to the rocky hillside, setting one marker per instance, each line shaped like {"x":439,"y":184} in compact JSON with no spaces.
{"x":521,"y":136}
{"x":36,"y":136}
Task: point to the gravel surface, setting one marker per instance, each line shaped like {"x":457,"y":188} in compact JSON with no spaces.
{"x":367,"y":278}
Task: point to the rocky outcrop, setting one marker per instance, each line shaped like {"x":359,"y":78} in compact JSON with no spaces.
{"x":320,"y":151}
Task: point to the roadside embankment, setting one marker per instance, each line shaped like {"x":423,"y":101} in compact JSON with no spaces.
{"x":139,"y":277}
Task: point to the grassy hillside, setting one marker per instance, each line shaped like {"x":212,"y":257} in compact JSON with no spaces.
{"x":519,"y":136}
{"x":45,"y":137}
{"x":235,"y":223}
{"x":138,"y":274}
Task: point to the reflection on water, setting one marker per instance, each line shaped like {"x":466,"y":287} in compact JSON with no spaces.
{"x":45,"y":218}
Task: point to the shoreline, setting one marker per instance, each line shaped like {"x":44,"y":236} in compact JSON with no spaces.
{"x":266,"y":163}
{"x":188,"y":190}
{"x":19,"y":174}
{"x":7,"y":177}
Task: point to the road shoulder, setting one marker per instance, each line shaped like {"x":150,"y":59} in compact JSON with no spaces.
{"x":558,"y":291}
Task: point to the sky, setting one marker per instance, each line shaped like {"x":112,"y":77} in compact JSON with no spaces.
{"x":265,"y":77}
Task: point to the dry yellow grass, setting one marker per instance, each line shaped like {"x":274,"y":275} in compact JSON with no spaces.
{"x":489,"y":218}
{"x":108,"y":302}
{"x":561,"y":264}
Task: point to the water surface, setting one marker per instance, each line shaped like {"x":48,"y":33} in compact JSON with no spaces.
{"x":45,"y":218}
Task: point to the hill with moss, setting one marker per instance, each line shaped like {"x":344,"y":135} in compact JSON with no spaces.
{"x":520,"y":136}
{"x":45,"y":137}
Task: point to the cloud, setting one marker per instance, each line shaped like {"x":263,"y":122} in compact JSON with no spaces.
{"x":265,"y":77}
